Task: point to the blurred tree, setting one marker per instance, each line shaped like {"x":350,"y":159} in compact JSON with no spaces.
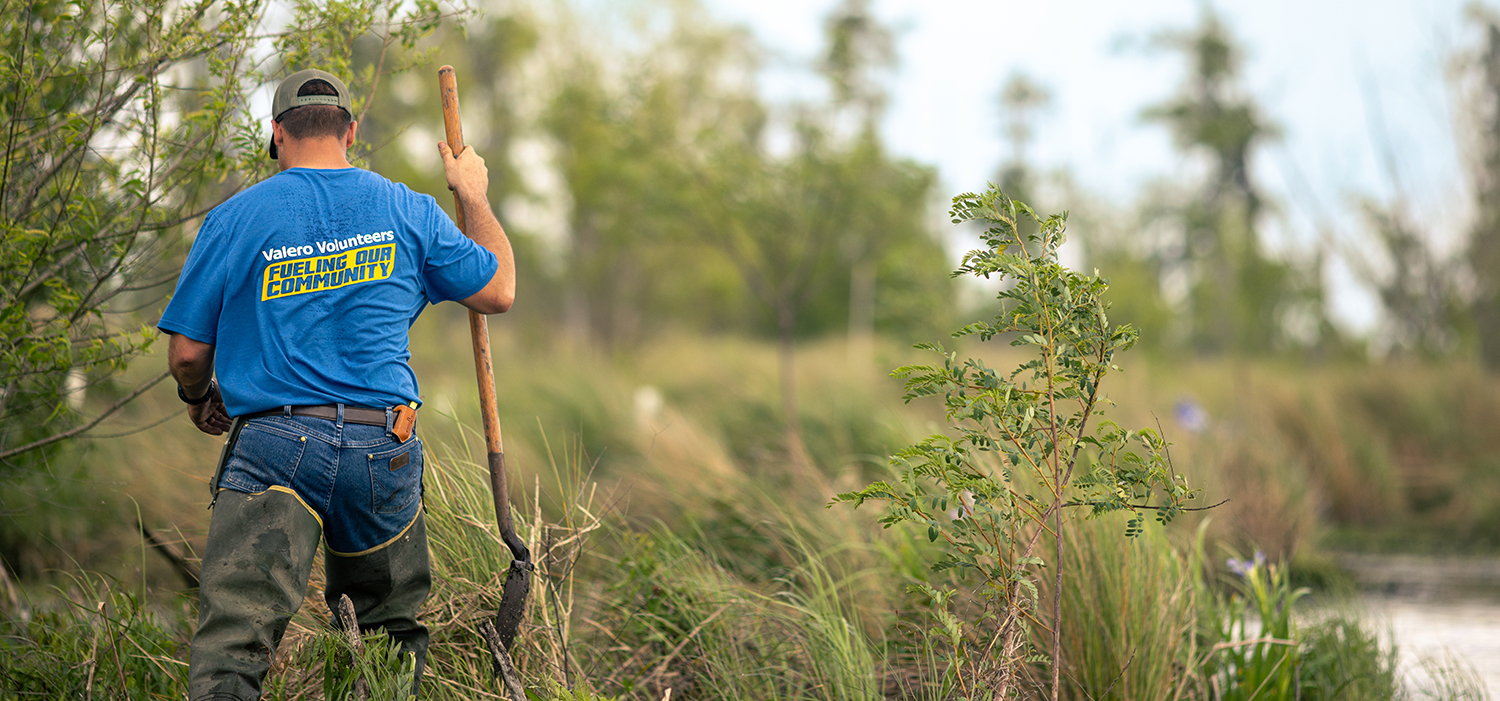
{"x":892,"y":221}
{"x":859,"y":49}
{"x":1020,"y":101}
{"x":1484,"y":241}
{"x":1239,"y":299}
{"x":1134,"y":251}
{"x":834,"y":200}
{"x":781,"y":223}
{"x":1420,"y":291}
{"x":776,"y":221}
{"x":489,"y":54}
{"x":627,"y":148}
{"x":680,"y":215}
{"x":1424,"y":312}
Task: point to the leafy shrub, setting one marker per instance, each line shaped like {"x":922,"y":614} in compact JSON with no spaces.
{"x":1026,"y":445}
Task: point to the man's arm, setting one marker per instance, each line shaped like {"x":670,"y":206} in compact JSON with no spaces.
{"x":469,"y":180}
{"x":192,"y":365}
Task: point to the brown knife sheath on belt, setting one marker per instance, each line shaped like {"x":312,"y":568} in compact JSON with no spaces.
{"x":406,"y":420}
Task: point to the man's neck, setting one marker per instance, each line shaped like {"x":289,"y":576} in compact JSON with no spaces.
{"x":324,"y":154}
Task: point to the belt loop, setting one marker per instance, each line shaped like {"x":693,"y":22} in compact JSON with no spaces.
{"x":286,"y":411}
{"x":390,"y":421}
{"x":339,"y":423}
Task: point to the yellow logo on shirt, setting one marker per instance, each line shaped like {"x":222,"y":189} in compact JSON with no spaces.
{"x":295,"y":277}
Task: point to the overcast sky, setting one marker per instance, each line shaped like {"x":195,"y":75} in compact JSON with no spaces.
{"x":1320,"y":69}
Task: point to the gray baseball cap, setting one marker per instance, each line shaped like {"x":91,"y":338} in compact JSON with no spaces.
{"x":286,"y":96}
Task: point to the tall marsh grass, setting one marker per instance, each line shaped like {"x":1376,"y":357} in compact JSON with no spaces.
{"x":622,"y":612}
{"x":680,"y":549}
{"x":1133,"y":612}
{"x":1395,"y":457}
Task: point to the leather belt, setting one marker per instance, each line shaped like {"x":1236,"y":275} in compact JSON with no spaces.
{"x":352,"y":414}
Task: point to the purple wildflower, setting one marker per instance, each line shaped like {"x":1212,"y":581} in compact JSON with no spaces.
{"x":1244,"y":568}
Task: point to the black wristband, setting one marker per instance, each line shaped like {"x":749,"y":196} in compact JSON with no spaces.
{"x":212,"y":384}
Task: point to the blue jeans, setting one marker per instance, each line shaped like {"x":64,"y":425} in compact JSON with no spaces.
{"x":288,"y":481}
{"x":362,"y":484}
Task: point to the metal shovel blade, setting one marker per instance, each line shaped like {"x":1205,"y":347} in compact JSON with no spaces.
{"x":513,"y":601}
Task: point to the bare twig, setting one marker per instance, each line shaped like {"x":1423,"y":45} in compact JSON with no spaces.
{"x":1121,"y":675}
{"x":350,"y":624}
{"x":114,"y":644}
{"x":10,"y":588}
{"x":147,"y":427}
{"x":504,"y":668}
{"x":88,"y":687}
{"x":184,"y":569}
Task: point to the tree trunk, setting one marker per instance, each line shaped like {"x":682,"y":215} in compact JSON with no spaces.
{"x":576,"y":315}
{"x":1057,"y":582}
{"x":622,"y":328}
{"x":1484,"y":244}
{"x":581,"y":284}
{"x":1011,"y":639}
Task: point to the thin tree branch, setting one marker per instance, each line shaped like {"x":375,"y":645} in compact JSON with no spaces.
{"x":1139,"y":506}
{"x":85,"y":427}
{"x":184,"y":569}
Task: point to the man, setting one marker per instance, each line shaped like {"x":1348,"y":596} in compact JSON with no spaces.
{"x":300,"y":292}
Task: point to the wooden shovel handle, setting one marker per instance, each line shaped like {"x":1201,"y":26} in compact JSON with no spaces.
{"x":479,"y":332}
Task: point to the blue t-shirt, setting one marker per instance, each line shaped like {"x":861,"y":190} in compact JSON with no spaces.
{"x":307,"y":284}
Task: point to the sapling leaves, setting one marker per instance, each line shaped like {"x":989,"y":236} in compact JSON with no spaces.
{"x":1022,"y":446}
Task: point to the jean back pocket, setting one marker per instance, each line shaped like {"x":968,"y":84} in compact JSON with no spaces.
{"x":263,"y":456}
{"x":396,"y":477}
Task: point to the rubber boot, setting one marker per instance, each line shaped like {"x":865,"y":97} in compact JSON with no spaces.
{"x":387,"y":587}
{"x":260,"y":553}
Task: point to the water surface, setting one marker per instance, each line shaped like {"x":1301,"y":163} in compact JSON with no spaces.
{"x":1436,"y":607}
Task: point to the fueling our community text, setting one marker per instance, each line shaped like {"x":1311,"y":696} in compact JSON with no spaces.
{"x":328,"y":272}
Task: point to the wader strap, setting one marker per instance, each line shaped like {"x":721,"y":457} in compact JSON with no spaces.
{"x":234,"y":434}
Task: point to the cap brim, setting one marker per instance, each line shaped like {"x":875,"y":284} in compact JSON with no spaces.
{"x":272,"y":148}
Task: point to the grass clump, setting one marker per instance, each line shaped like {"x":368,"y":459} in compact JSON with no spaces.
{"x":1132,"y":634}
{"x":1343,"y":659}
{"x":92,"y":640}
{"x":326,"y":655}
{"x":678,"y":618}
{"x":1156,"y":621}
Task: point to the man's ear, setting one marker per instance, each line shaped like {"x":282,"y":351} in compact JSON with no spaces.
{"x":349,"y":135}
{"x":277,"y":135}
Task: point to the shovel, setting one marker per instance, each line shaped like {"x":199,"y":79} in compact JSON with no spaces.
{"x":518,"y":580}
